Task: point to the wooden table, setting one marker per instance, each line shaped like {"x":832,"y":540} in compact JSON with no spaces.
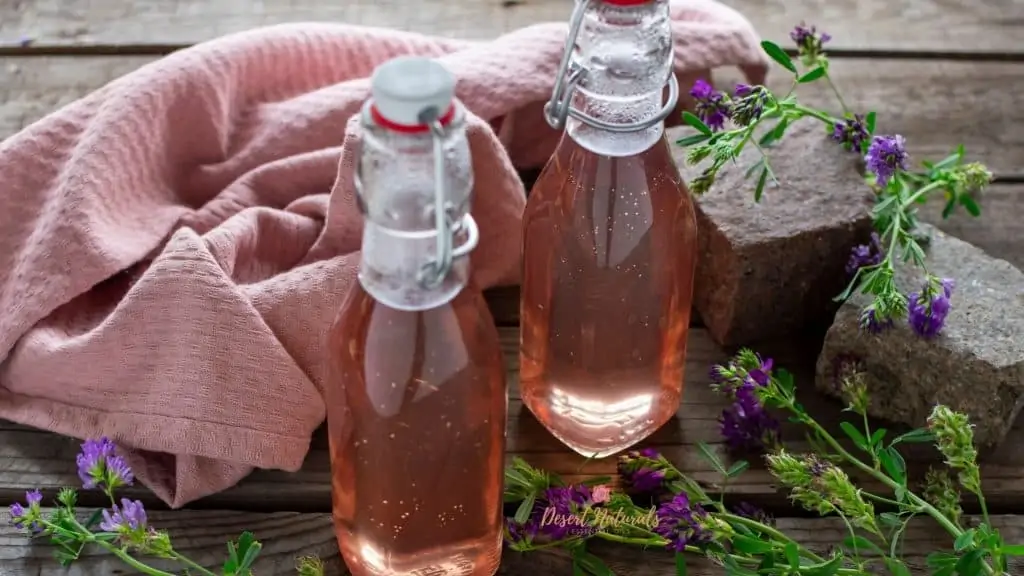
{"x":940,"y":72}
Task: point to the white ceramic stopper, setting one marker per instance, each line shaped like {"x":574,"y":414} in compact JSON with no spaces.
{"x":405,"y":86}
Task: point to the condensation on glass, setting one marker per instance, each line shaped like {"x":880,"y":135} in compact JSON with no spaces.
{"x":609,"y":239}
{"x":416,"y":395}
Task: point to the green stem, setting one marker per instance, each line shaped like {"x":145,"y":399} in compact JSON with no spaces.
{"x":127,"y":558}
{"x":984,"y":507}
{"x":814,"y":114}
{"x":846,"y":110}
{"x":919,"y":193}
{"x":755,"y":525}
{"x":916,"y":500}
{"x":190,"y":563}
{"x":867,"y":436}
{"x":881,"y":499}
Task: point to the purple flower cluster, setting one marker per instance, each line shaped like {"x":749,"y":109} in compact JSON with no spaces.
{"x":711,"y":106}
{"x":928,"y":308}
{"x":556,"y":503}
{"x":886,"y":156}
{"x":681,"y":523}
{"x":748,"y":510}
{"x":129,"y":517}
{"x":642,"y":472}
{"x":869,"y":254}
{"x":24,"y":516}
{"x":746,"y":425}
{"x":101,"y":468}
{"x":810,"y":44}
{"x":852,"y":133}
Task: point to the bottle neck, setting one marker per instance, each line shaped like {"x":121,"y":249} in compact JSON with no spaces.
{"x":398,"y":193}
{"x":626,"y":53}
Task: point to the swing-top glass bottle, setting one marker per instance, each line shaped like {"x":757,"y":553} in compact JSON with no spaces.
{"x":609,"y":239}
{"x":416,"y":394}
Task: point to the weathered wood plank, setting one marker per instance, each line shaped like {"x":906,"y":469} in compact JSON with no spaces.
{"x":31,"y":458}
{"x":935,"y":105}
{"x":993,"y":26}
{"x":201,"y":535}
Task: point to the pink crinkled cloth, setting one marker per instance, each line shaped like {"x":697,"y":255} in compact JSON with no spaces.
{"x":174,"y":246}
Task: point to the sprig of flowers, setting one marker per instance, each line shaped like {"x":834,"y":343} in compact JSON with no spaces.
{"x":898,"y":189}
{"x":123,"y":529}
{"x":743,"y":539}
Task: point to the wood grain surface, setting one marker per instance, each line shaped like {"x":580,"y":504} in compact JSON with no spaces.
{"x":32,"y":458}
{"x":201,"y":535}
{"x":962,"y":26}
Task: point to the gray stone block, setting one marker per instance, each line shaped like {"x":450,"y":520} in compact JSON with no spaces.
{"x":975,"y":365}
{"x":771,"y":268}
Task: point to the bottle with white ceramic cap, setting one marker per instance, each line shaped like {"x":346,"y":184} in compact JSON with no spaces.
{"x":416,"y":393}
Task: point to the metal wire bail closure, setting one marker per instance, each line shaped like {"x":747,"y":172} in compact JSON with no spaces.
{"x":432,"y":274}
{"x":559,"y":107}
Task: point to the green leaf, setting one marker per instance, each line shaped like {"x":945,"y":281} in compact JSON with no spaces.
{"x":712,"y":458}
{"x":753,"y":168}
{"x":940,"y":559}
{"x":859,"y":544}
{"x":947,"y":210}
{"x":792,"y":555}
{"x":697,"y":123}
{"x":525,"y":509}
{"x":737,"y":468}
{"x":812,"y":75}
{"x":774,"y":134}
{"x":870,"y":121}
{"x":826,"y":568}
{"x":593,"y":565}
{"x":897,"y":567}
{"x":970,"y":564}
{"x":750,"y":545}
{"x":779,"y":55}
{"x":854,"y":435}
{"x":894,"y":465}
{"x":761,"y":181}
{"x":680,"y":564}
{"x":972,"y":207}
{"x":877,"y":436}
{"x":577,"y":568}
{"x":917,"y":436}
{"x":964,"y":541}
{"x":693,"y":139}
{"x":1013,"y":550}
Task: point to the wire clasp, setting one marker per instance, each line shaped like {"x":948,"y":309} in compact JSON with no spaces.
{"x":571,"y":73}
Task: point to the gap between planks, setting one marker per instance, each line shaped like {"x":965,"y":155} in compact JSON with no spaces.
{"x":201,"y":535}
{"x":35,"y":459}
{"x":986,"y":29}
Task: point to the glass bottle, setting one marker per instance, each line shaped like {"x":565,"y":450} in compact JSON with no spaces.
{"x":416,"y":397}
{"x":610,"y":239}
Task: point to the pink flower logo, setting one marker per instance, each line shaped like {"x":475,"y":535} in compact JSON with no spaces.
{"x":601,"y":494}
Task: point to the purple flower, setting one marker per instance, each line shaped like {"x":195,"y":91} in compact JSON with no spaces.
{"x":886,"y":156}
{"x":852,"y":133}
{"x":810,"y":44}
{"x":870,"y":321}
{"x":640,"y":471}
{"x":24,"y":516}
{"x":568,"y":499}
{"x":520,"y":533}
{"x":100,"y":467}
{"x":869,"y":254}
{"x":711,"y":106}
{"x":561,"y":503}
{"x":748,"y":510}
{"x":679,"y":522}
{"x":928,"y":308}
{"x":130,"y":517}
{"x":747,"y":427}
{"x":748,"y":103}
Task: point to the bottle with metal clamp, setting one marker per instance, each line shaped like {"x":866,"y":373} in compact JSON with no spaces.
{"x":610,"y":238}
{"x":416,"y":393}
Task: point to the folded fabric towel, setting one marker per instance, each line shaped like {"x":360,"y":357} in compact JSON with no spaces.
{"x":174,"y":246}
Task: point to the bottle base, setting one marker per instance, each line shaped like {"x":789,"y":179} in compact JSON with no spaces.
{"x":480,"y":557}
{"x":601,"y":433}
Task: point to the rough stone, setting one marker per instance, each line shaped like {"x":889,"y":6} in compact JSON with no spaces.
{"x":975,"y":365}
{"x":772,"y":268}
